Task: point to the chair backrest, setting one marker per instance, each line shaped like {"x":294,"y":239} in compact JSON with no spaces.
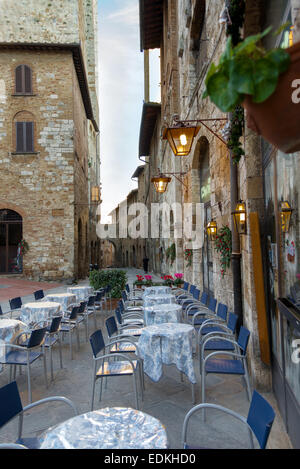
{"x":91,"y":300}
{"x":107,"y":288}
{"x":38,"y":295}
{"x":121,"y":306}
{"x":36,"y":337}
{"x":204,"y":298}
{"x":124,"y":296}
{"x":99,"y":295}
{"x":222,"y":311}
{"x":243,"y":339}
{"x":232,"y":321}
{"x":127,"y":288}
{"x":55,"y":323}
{"x":196,"y":294}
{"x":74,"y":313}
{"x":186,"y":286}
{"x":1,"y":312}
{"x":15,"y":303}
{"x":260,"y":418}
{"x":10,"y":403}
{"x":212,"y":304}
{"x":192,"y":289}
{"x":118,"y":316}
{"x":81,"y":307}
{"x":111,"y":326}
{"x":97,"y":342}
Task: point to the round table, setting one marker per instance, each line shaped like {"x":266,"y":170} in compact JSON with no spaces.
{"x":162,"y":313}
{"x":151,"y":300}
{"x":168,"y":343}
{"x":64,"y":299}
{"x":108,"y":428}
{"x":9,"y":329}
{"x":82,"y":293}
{"x":32,"y":313}
{"x":160,"y":290}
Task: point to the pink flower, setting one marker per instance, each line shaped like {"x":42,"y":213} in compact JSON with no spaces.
{"x":148,"y":277}
{"x":178,"y":275}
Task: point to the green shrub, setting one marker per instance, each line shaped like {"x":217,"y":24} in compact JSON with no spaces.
{"x":117,"y":279}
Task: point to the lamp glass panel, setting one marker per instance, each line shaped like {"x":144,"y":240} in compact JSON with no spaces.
{"x":181,"y":139}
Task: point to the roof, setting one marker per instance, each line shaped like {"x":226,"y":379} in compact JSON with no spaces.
{"x":151,"y":23}
{"x":78,"y":64}
{"x":132,"y":193}
{"x":138,"y":171}
{"x":149,"y":117}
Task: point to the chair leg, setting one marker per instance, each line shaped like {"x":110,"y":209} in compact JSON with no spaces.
{"x":60,"y":352}
{"x":70,"y":339}
{"x":29,"y":384}
{"x":203,"y":393}
{"x":51,"y":362}
{"x":93,"y":393}
{"x":135,"y":390}
{"x":45,"y":367}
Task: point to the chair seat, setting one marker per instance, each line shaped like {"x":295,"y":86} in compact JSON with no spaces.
{"x":116,"y":368}
{"x":18,"y":357}
{"x":123,"y":347}
{"x":31,"y":443}
{"x":67,"y":327}
{"x":224,"y":366}
{"x":50,"y":340}
{"x":134,"y":332}
{"x":219,"y":345}
{"x":209,"y":329}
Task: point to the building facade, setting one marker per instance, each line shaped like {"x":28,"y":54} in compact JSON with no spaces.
{"x":49,"y":152}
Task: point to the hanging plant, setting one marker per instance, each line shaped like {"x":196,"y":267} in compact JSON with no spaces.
{"x":171,"y":253}
{"x":188,"y":255}
{"x":223,"y":245}
{"x":23,"y":246}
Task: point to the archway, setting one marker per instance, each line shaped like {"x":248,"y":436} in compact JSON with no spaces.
{"x":11,"y":233}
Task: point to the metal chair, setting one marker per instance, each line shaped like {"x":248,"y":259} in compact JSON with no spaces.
{"x":39,"y":295}
{"x":53,"y":337}
{"x":123,"y":330}
{"x":128,"y":319}
{"x":259,"y":420}
{"x":26,"y":354}
{"x":70,"y":324}
{"x":235,"y":365}
{"x":108,"y":368}
{"x":210,"y":314}
{"x":188,"y":294}
{"x":11,"y":407}
{"x":194,"y":300}
{"x":206,"y":306}
{"x":90,"y":310}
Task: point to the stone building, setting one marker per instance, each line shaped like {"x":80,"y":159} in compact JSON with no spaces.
{"x":191,"y":34}
{"x":49,"y":152}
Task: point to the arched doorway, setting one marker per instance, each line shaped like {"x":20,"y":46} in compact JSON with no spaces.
{"x":11,"y":232}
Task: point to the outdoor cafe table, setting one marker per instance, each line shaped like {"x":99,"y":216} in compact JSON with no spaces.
{"x":108,"y":428}
{"x":9,"y":330}
{"x":152,"y":300}
{"x":159,"y":290}
{"x":162,"y":313}
{"x":65,"y":299}
{"x":82,"y":292}
{"x":168,"y":344}
{"x":32,"y":313}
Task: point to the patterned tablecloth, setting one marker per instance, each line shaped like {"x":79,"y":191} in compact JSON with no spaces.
{"x":169,"y":344}
{"x":159,"y":314}
{"x":9,"y":329}
{"x":32,"y":313}
{"x":151,"y":300}
{"x":65,"y":299}
{"x":160,"y":290}
{"x":82,"y":293}
{"x":108,"y":428}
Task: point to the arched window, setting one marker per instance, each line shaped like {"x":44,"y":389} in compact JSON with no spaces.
{"x":23,"y":80}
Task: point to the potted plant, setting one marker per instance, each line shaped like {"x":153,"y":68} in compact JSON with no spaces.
{"x":168,"y":280}
{"x":171,"y":253}
{"x":148,"y":281}
{"x":116,"y":278}
{"x":178,"y":280}
{"x":263,"y":82}
{"x":188,"y":255}
{"x":139,"y":282}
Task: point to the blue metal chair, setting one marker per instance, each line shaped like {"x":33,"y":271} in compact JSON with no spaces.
{"x":181,"y":291}
{"x":259,"y":420}
{"x":202,"y":311}
{"x":90,"y":310}
{"x":38,"y":295}
{"x":235,"y":365}
{"x":202,"y":318}
{"x":123,"y":330}
{"x":127,"y":306}
{"x":25,"y":354}
{"x":187,"y":294}
{"x":11,"y":407}
{"x":71,"y":323}
{"x":53,"y":337}
{"x":15,"y":304}
{"x":128,"y":319}
{"x":194,"y":308}
{"x":108,"y":368}
{"x":188,"y":302}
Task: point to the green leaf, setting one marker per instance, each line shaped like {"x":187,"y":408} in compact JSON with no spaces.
{"x":249,"y":44}
{"x":221,"y":93}
{"x":265,"y":79}
{"x":280,"y":58}
{"x":241,"y":76}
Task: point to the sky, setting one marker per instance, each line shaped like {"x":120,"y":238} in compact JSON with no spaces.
{"x":121,"y":95}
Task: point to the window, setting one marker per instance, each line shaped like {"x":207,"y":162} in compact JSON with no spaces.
{"x":24,"y":137}
{"x":23,"y":80}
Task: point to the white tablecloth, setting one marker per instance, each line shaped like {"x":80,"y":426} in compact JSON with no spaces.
{"x":159,"y":290}
{"x":151,"y":300}
{"x":168,"y":344}
{"x":65,"y":299}
{"x":108,"y":428}
{"x":159,"y":314}
{"x":82,"y":293}
{"x":32,"y":313}
{"x":9,"y":329}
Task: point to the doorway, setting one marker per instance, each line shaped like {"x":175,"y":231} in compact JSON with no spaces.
{"x":11,"y":232}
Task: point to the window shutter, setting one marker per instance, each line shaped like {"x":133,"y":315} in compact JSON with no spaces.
{"x":27,"y":79}
{"x":19,"y":137}
{"x":19,"y":84}
{"x":29,"y":137}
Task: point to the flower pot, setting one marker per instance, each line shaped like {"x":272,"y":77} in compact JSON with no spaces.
{"x":277,"y":118}
{"x":114,"y":303}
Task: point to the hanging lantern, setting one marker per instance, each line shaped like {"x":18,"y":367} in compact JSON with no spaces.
{"x":161,"y":183}
{"x":212,"y":230}
{"x":95,"y":194}
{"x":239,"y":216}
{"x":285,"y":216}
{"x":180,"y":138}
